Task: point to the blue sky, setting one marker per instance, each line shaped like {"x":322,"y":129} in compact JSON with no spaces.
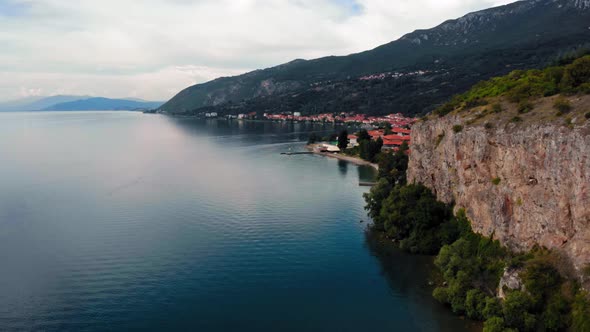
{"x":351,"y":5}
{"x":151,"y":49}
{"x":9,"y":8}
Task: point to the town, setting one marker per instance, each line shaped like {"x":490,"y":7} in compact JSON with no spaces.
{"x":391,"y":139}
{"x":392,"y":120}
{"x":393,"y":129}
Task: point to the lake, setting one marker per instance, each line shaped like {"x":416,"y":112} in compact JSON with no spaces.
{"x":126,"y":221}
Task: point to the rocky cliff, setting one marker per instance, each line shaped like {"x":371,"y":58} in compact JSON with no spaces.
{"x":526,"y":182}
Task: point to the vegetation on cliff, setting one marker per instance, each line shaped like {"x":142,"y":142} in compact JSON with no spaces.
{"x":412,"y":216}
{"x":550,"y":298}
{"x":471,"y":265}
{"x":520,"y":86}
{"x":520,"y":91}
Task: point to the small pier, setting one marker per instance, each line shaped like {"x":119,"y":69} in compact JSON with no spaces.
{"x":295,"y":153}
{"x":367,"y":184}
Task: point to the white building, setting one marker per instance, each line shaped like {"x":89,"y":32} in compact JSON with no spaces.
{"x":329,"y":148}
{"x":352,"y":141}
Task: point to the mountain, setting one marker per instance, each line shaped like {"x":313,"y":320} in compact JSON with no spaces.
{"x":411,"y":75}
{"x":36,"y":103}
{"x":103,"y":104}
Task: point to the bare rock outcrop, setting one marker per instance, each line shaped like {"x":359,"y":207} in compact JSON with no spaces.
{"x":510,"y":281}
{"x":525,"y":183}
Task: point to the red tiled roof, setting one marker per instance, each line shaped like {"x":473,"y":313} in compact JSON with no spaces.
{"x":397,"y":137}
{"x":401,"y":130}
{"x":375,"y":133}
{"x":390,"y":142}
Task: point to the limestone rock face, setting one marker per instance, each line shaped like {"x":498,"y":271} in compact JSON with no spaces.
{"x":526,"y":183}
{"x":510,"y":280}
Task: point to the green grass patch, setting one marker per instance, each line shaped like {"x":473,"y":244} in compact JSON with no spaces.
{"x":519,"y":86}
{"x":525,"y":106}
{"x":497,"y":108}
{"x":562,"y":105}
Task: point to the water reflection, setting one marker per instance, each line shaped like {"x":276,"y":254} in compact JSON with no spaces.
{"x":253,"y":132}
{"x":367,"y":173}
{"x":409,"y":276}
{"x":343,"y":167}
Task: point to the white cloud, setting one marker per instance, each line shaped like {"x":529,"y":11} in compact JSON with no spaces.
{"x":153,"y":48}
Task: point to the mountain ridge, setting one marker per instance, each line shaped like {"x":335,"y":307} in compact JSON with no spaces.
{"x":37,"y":103}
{"x":70,"y":102}
{"x":102,"y":104}
{"x":465,"y":50}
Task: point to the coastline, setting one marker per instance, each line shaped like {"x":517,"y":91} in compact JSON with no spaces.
{"x":350,"y":159}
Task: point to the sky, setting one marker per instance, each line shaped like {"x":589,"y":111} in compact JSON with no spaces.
{"x":152,"y":49}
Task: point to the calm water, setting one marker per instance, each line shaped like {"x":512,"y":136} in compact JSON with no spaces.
{"x":119,"y":221}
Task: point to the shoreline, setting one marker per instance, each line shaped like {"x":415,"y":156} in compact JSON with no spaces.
{"x":350,"y":159}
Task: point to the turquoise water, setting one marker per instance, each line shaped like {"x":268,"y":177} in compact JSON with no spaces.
{"x":125,"y":221}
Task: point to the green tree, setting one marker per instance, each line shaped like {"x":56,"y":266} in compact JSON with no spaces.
{"x":393,"y":166}
{"x":375,"y":199}
{"x":313,"y":138}
{"x":493,"y":307}
{"x":576,"y":74}
{"x":516,"y":308}
{"x":343,"y":140}
{"x":475,"y":302}
{"x":472,"y":267}
{"x":581,"y":312}
{"x":494,"y":324}
{"x":369,"y":149}
{"x":556,"y":315}
{"x":540,"y":280}
{"x":412,"y":215}
{"x":363,"y":136}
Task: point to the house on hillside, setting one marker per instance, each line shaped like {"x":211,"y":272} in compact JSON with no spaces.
{"x":392,"y":144}
{"x":401,"y":131}
{"x":375,"y":134}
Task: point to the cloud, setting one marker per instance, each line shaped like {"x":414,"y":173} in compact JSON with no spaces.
{"x":153,"y":48}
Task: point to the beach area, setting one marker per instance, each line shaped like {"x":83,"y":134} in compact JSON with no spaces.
{"x":315,"y":148}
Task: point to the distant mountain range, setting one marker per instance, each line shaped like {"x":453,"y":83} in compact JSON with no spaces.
{"x":76,"y":103}
{"x":411,"y":75}
{"x":98,"y":103}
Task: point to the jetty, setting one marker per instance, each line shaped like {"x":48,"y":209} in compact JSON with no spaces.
{"x":296,"y":153}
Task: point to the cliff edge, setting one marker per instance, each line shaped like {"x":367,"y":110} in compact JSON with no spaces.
{"x":523,"y":177}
